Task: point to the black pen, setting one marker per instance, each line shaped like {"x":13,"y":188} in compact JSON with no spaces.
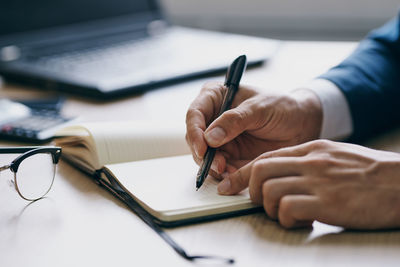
{"x":232,"y":80}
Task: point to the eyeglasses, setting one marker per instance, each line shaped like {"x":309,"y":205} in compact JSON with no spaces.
{"x":34,"y":170}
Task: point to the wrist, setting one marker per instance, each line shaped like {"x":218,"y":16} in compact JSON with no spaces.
{"x":311,"y":108}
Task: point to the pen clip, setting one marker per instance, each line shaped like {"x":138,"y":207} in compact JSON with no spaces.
{"x":235,"y":71}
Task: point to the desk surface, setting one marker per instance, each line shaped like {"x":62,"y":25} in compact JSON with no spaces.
{"x":80,"y":224}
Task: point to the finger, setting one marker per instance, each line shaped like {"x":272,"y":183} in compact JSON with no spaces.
{"x":232,"y":123}
{"x":209,"y":100}
{"x":205,"y":108}
{"x":215,"y":92}
{"x":195,"y":126}
{"x":294,"y":210}
{"x":200,"y":112}
{"x":264,"y":169}
{"x":258,"y":170}
{"x":219,"y":163}
{"x":229,"y":170}
{"x":299,"y":150}
{"x":235,"y":182}
{"x":245,"y":92}
{"x":292,"y":151}
{"x":274,"y":189}
{"x":211,"y":172}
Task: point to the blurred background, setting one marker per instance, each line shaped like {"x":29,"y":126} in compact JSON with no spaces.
{"x":285,"y":19}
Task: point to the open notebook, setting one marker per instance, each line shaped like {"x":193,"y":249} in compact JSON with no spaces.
{"x":148,"y":164}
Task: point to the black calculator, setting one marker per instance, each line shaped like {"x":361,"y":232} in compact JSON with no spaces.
{"x":37,"y":127}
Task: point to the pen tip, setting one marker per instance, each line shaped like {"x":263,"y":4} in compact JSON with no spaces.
{"x":197,"y":189}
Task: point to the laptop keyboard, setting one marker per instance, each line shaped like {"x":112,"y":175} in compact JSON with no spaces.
{"x":117,"y":59}
{"x":146,"y":60}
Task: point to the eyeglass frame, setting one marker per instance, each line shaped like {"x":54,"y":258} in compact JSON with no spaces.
{"x":27,"y":152}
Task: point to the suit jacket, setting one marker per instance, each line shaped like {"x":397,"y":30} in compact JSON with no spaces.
{"x":370,"y":81}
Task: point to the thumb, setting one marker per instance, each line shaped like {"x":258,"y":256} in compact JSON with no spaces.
{"x":229,"y":125}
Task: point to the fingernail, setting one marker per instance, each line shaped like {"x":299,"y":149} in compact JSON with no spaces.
{"x":224,"y":186}
{"x":215,"y":136}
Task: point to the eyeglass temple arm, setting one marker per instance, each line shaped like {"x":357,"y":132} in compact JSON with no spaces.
{"x":12,"y":150}
{"x":5,"y":167}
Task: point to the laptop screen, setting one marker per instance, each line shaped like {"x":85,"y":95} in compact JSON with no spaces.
{"x":18,"y":16}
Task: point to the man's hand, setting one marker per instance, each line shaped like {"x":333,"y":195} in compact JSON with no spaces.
{"x":256,"y":123}
{"x":335,"y":183}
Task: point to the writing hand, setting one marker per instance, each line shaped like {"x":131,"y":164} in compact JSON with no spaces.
{"x":256,"y":123}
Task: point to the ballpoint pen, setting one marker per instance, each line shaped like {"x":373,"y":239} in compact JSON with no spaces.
{"x":232,"y":80}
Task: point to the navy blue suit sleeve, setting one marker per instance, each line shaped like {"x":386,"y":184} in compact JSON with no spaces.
{"x":370,"y":81}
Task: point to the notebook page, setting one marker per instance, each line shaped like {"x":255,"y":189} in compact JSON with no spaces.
{"x":77,"y":143}
{"x":136,"y":140}
{"x":167,"y":186}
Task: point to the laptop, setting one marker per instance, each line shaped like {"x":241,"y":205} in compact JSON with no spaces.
{"x":103,"y":49}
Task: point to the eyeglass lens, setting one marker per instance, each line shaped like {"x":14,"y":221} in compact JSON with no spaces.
{"x":35,"y":176}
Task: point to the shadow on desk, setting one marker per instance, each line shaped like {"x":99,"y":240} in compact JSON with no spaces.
{"x":270,"y":231}
{"x":359,"y":238}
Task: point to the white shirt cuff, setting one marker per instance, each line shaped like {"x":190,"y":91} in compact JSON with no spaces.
{"x":337,"y":123}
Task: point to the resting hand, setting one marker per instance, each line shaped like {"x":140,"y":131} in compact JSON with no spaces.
{"x":255,"y":124}
{"x":335,"y":183}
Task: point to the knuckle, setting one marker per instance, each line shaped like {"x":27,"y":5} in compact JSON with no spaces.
{"x":285,"y":213}
{"x":258,"y":104}
{"x":319,"y":162}
{"x":210,"y":93}
{"x":269,"y":154}
{"x":209,"y":85}
{"x":285,"y":206}
{"x":314,"y":162}
{"x":276,"y":153}
{"x":235,"y":116}
{"x":187,"y":138}
{"x":258,"y":167}
{"x":267,"y":191}
{"x":270,"y":205}
{"x":285,"y":103}
{"x":319,"y":144}
{"x":270,"y":209}
{"x":256,"y":182}
{"x":189,"y":114}
{"x":213,"y":91}
{"x":373,"y":170}
{"x":229,"y":115}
